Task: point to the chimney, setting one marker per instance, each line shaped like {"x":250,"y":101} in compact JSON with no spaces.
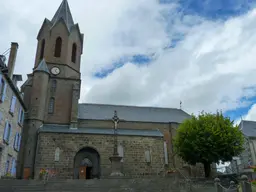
{"x":12,"y":58}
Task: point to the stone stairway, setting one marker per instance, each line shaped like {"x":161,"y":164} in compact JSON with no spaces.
{"x":97,"y":185}
{"x":156,"y":184}
{"x":21,"y":185}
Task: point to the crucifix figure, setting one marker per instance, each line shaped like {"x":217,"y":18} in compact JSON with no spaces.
{"x":115,"y":120}
{"x":116,"y":159}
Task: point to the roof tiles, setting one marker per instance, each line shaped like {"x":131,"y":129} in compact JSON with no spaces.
{"x":131,"y":113}
{"x":64,"y":13}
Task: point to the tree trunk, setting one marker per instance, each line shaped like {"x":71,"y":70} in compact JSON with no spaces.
{"x":207,"y":169}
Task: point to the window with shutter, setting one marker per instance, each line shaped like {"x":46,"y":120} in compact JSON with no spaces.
{"x":1,"y":116}
{"x":19,"y":142}
{"x":21,"y":117}
{"x":6,"y":132}
{"x":15,"y":142}
{"x":3,"y":90}
{"x":7,"y":165}
{"x":13,"y":169}
{"x":9,"y":132}
{"x":13,"y":102}
{"x":1,"y":85}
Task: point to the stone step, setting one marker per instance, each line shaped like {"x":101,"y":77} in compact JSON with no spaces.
{"x":86,"y":189}
{"x":90,"y":190}
{"x":96,"y":185}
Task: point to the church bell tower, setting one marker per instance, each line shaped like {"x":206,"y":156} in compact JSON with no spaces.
{"x":52,"y":90}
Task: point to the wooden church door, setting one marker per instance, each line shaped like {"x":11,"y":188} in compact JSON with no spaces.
{"x":82,"y":172}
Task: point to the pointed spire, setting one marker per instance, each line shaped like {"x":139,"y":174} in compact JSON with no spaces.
{"x":42,"y":67}
{"x":64,"y":13}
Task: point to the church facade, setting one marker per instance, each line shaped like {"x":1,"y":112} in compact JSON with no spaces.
{"x":77,"y":140}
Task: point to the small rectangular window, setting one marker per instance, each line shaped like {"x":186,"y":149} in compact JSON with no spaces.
{"x":21,"y":116}
{"x":13,"y":102}
{"x":3,"y":87}
{"x":13,"y":168}
{"x":7,"y":132}
{"x":8,"y":164}
{"x":16,"y":141}
{"x":1,"y":116}
{"x":19,"y":142}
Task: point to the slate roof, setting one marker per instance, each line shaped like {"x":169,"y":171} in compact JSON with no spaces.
{"x":131,"y":113}
{"x":42,"y":67}
{"x":64,"y":13}
{"x":248,"y":128}
{"x":53,"y":128}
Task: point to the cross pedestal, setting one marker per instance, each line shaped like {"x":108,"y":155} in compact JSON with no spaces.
{"x":73,"y":125}
{"x":116,"y":165}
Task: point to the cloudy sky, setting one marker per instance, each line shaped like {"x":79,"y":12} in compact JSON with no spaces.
{"x":152,"y":52}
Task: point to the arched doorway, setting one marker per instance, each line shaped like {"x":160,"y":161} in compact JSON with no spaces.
{"x":87,"y":164}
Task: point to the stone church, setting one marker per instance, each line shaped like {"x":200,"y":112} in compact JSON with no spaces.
{"x":82,"y":140}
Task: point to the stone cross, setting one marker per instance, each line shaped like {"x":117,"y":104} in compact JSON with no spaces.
{"x":116,"y":121}
{"x":115,"y":159}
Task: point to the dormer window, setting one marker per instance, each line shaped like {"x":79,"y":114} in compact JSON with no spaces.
{"x":58,"y":45}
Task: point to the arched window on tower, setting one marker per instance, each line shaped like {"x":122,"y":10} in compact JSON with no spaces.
{"x":73,"y":57}
{"x":54,"y":85}
{"x":51,"y":105}
{"x":42,"y":49}
{"x":58,"y":45}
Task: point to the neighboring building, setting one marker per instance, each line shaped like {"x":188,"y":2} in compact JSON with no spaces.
{"x":11,"y":114}
{"x":248,"y":156}
{"x":76,"y":139}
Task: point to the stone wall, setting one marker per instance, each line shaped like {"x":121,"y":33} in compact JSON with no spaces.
{"x":169,"y":132}
{"x":8,"y":149}
{"x":134,"y":163}
{"x":167,"y":129}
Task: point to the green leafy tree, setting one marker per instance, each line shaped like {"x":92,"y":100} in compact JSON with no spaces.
{"x":208,"y":138}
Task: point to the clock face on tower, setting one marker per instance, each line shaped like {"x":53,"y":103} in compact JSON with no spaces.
{"x":55,"y":70}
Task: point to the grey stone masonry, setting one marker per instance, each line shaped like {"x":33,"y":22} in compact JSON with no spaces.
{"x":134,"y":163}
{"x":95,"y":185}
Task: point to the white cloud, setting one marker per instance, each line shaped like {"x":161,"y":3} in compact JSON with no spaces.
{"x":208,"y":70}
{"x":250,"y":116}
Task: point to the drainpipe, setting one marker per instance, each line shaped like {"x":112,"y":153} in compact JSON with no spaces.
{"x":171,"y":142}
